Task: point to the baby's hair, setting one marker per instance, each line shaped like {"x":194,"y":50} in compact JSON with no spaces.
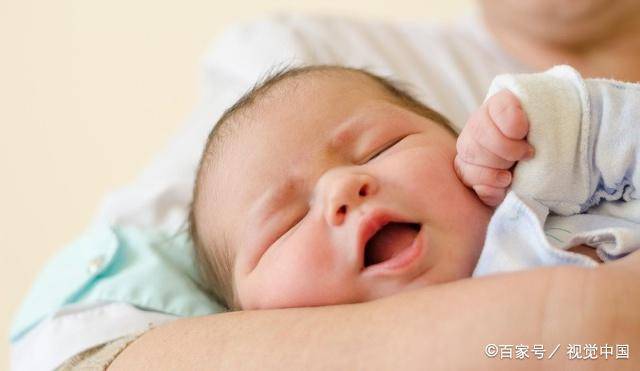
{"x":215,"y":263}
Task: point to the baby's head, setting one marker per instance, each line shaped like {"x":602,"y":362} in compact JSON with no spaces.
{"x":327,"y":185}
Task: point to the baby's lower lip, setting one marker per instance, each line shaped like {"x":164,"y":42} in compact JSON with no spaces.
{"x":401,"y":262}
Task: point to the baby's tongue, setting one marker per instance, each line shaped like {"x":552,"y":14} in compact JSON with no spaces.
{"x":388,"y":242}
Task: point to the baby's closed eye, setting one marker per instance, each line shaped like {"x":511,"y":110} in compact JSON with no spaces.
{"x":385,"y":147}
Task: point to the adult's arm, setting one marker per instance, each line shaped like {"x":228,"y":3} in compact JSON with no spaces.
{"x":438,"y":327}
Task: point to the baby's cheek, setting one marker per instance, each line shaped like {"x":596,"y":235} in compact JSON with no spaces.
{"x":310,"y":248}
{"x":281,"y":285}
{"x":303,"y":288}
{"x":428,"y":172}
{"x":303,"y":271}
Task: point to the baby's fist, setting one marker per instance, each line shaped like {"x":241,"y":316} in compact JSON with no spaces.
{"x":490,"y":143}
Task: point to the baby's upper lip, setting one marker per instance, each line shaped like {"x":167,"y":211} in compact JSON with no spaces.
{"x":370,"y":224}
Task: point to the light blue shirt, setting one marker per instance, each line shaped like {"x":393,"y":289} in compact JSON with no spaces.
{"x":150,"y":269}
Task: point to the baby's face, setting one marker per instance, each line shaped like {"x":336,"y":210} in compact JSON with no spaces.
{"x":339,"y":195}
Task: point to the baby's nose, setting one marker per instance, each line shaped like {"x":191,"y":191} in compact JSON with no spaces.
{"x":345,"y":192}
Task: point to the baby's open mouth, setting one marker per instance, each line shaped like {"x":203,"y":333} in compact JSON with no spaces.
{"x":389,"y":241}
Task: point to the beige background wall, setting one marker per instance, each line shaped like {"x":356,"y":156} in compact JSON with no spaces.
{"x":90,"y":90}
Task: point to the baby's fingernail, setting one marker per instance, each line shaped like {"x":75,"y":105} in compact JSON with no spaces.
{"x":504,"y":177}
{"x":529,"y":153}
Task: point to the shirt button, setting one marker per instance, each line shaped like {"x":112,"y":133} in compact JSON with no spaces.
{"x":95,"y":264}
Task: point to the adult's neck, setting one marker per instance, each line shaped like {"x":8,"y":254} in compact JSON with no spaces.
{"x":610,"y":48}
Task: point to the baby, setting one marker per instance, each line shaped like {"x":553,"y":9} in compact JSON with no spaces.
{"x":328,"y":185}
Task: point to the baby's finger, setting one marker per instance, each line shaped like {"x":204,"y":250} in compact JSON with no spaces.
{"x":486,"y":133}
{"x":470,"y":151}
{"x":472,"y":175}
{"x":506,"y":112}
{"x":490,"y":196}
